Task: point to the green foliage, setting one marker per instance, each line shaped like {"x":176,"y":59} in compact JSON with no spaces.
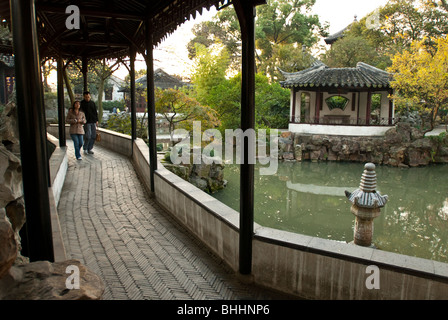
{"x":120,"y":122}
{"x":180,"y":110}
{"x":349,"y":50}
{"x":109,"y":105}
{"x":281,"y":25}
{"x":421,"y":78}
{"x":212,"y":88}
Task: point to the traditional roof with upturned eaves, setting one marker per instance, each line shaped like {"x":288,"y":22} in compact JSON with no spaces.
{"x":320,"y":75}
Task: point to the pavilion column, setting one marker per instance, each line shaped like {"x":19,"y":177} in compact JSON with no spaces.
{"x":61,"y":108}
{"x":368,"y":107}
{"x":318,"y":106}
{"x":245,"y":11}
{"x":294,"y":93}
{"x":132,"y":93}
{"x":391,"y":108}
{"x":33,"y":141}
{"x":151,"y":102}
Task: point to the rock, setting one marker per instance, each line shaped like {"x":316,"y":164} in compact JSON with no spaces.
{"x":298,"y":152}
{"x":179,"y":170}
{"x":8,"y":244}
{"x":199,"y":183}
{"x":43,"y":280}
{"x":286,"y":134}
{"x":10,"y":177}
{"x":15,"y":211}
{"x":288,"y":156}
{"x":418,"y":157}
{"x":9,"y":129}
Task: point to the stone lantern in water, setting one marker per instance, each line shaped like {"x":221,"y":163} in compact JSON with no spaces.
{"x":366,"y":205}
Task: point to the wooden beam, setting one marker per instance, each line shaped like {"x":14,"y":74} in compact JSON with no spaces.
{"x":94,"y":44}
{"x":94,"y":13}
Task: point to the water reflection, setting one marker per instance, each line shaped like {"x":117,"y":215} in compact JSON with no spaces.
{"x":308,"y":198}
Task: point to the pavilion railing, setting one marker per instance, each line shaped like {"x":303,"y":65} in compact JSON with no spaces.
{"x":345,"y":121}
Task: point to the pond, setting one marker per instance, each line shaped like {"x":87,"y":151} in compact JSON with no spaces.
{"x":308,"y":198}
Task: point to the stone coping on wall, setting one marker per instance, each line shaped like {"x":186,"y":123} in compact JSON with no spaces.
{"x":420,"y":267}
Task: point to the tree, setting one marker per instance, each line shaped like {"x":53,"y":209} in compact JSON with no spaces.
{"x":102,"y":69}
{"x":400,"y":22}
{"x":421,"y":78}
{"x":350,"y":50}
{"x":278,"y":24}
{"x":180,"y":110}
{"x":210,"y":71}
{"x":281,"y":23}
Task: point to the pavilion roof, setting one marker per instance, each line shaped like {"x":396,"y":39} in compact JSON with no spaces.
{"x":320,"y":75}
{"x":162,"y":80}
{"x":332,"y":38}
{"x":108,"y":27}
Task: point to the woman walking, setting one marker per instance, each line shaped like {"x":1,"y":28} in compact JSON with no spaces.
{"x":76,"y":118}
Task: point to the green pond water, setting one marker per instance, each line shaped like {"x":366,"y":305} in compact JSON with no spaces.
{"x":308,"y":198}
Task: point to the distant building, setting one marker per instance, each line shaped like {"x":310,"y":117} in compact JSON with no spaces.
{"x":162,"y":80}
{"x":111,"y":92}
{"x":328,"y":100}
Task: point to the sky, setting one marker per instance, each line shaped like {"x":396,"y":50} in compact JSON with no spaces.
{"x":171,"y":55}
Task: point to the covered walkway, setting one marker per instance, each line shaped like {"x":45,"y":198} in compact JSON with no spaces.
{"x":112,"y":226}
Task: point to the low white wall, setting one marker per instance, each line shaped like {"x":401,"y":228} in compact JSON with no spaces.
{"x":338,"y":130}
{"x":58,"y":164}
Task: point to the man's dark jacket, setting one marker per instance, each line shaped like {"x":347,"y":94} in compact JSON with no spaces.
{"x":89,"y":109}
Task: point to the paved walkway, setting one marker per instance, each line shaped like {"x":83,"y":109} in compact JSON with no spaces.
{"x":112,"y":226}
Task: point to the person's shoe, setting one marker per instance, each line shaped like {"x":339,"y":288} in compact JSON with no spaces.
{"x":91,"y":152}
{"x":79,"y":158}
{"x":85,"y":151}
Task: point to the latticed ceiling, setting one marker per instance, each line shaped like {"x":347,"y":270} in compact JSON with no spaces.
{"x":107,"y":27}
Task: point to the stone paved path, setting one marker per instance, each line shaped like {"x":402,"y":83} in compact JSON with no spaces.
{"x":112,"y":226}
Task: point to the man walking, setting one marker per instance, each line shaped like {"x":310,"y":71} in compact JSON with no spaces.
{"x":89,"y":109}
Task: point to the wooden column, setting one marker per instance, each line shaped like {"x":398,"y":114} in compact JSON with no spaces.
{"x":61,"y":107}
{"x":245,"y":11}
{"x":132,"y":93}
{"x":151,"y":103}
{"x":33,"y":140}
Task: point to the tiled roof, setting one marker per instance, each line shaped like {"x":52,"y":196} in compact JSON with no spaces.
{"x":162,"y":80}
{"x":320,"y":75}
{"x":340,"y":34}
